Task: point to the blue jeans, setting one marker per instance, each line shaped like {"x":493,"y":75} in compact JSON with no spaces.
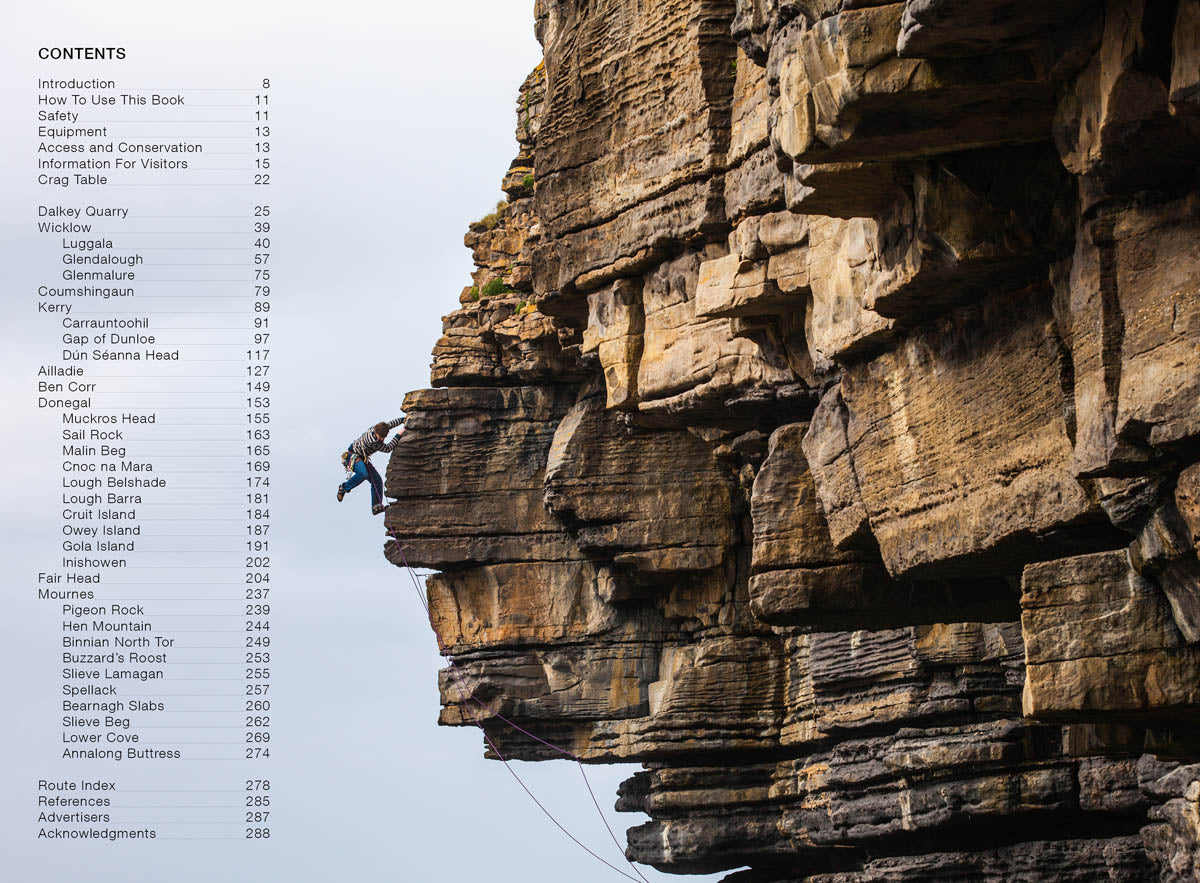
{"x":364,"y":471}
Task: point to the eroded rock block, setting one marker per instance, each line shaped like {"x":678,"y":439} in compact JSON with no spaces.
{"x":624,"y":701}
{"x":656,"y":501}
{"x":1135,"y":334}
{"x":966,"y":223}
{"x":946,"y":28}
{"x":562,"y":692}
{"x":935,"y":234}
{"x":959,"y":441}
{"x":623,"y":160}
{"x":1163,"y":551}
{"x":1173,"y":837}
{"x":1187,"y":501}
{"x":499,"y":341}
{"x":1100,"y":641}
{"x":799,"y":577}
{"x":614,"y":332}
{"x":842,"y":265}
{"x":1118,"y":127}
{"x":525,"y":604}
{"x":841,"y":86}
{"x":826,"y":448}
{"x":841,"y":190}
{"x":694,"y":365}
{"x":468,"y":477}
{"x":733,"y":286}
{"x":914,"y":674}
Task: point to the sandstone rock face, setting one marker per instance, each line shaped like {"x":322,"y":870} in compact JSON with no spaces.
{"x":821,"y":430}
{"x":1100,"y":639}
{"x":1173,"y":837}
{"x":960,"y":440}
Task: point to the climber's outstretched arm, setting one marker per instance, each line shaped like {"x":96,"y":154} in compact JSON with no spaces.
{"x":391,"y":445}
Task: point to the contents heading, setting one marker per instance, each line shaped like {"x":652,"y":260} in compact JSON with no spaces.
{"x":82,"y":53}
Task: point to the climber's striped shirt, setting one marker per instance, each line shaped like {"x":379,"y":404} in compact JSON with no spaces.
{"x":367,"y":444}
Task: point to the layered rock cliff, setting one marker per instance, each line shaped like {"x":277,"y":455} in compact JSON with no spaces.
{"x":821,"y":431}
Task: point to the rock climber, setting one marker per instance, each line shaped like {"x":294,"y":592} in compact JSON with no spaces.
{"x":357,"y":460}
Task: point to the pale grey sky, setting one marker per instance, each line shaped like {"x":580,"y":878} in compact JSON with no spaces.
{"x":393,"y":125}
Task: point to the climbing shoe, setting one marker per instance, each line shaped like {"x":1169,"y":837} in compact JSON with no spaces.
{"x":377,"y":508}
{"x":341,"y":493}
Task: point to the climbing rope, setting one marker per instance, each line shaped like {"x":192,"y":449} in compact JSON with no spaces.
{"x":466,"y":699}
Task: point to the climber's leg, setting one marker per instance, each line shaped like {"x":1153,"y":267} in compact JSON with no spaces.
{"x":376,"y":487}
{"x":360,"y":475}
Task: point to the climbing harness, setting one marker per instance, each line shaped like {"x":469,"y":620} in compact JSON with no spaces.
{"x":465,"y":699}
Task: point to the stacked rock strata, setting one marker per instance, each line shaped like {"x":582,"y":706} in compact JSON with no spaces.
{"x":821,"y":432}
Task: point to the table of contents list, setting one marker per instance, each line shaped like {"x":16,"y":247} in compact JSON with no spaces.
{"x":154,"y":307}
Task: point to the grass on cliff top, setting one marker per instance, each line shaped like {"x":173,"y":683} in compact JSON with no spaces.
{"x":492,"y":219}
